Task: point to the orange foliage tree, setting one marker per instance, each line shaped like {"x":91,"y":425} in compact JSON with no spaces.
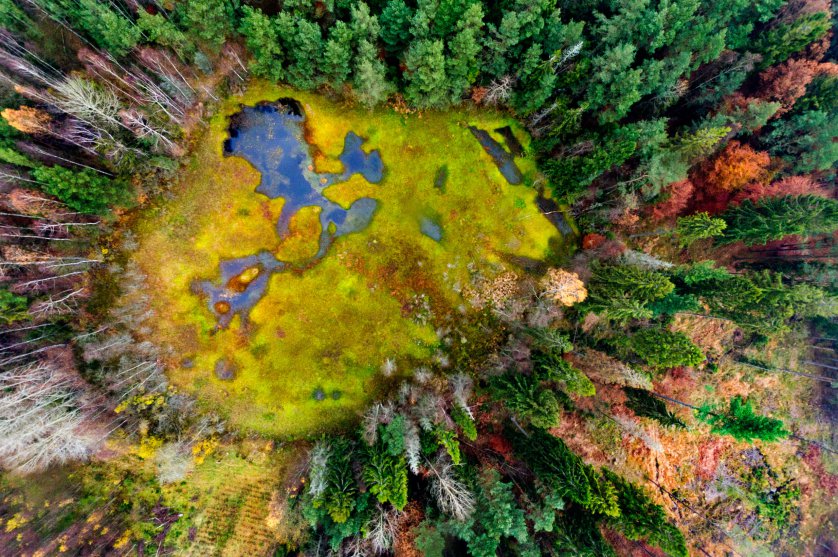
{"x":736,"y":166}
{"x":27,"y":119}
{"x":793,"y":185}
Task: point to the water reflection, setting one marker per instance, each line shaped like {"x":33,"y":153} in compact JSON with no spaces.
{"x":270,"y":137}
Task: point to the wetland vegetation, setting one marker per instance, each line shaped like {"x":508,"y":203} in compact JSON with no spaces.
{"x":418,"y":277}
{"x":346,"y":279}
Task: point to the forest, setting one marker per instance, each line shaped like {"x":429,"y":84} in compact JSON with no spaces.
{"x":418,"y":278}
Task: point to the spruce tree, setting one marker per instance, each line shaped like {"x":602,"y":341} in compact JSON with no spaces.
{"x":774,"y":218}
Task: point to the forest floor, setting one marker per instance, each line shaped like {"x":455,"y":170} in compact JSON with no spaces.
{"x":311,"y":356}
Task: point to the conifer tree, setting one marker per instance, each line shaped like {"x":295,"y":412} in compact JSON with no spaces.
{"x":661,"y":348}
{"x":647,"y":405}
{"x":774,"y":218}
{"x":524,"y":396}
{"x":640,"y":518}
{"x":697,"y":227}
{"x":740,"y":421}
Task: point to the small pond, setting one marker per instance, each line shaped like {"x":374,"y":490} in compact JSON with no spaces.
{"x":270,"y":137}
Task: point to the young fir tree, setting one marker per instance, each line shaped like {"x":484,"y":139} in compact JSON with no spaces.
{"x":697,"y":227}
{"x":740,"y":421}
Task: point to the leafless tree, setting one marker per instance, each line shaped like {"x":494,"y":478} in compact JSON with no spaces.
{"x":499,"y":90}
{"x":377,"y":414}
{"x":43,"y":420}
{"x":381,"y":529}
{"x":461,"y":385}
{"x":318,"y":463}
{"x":451,"y":495}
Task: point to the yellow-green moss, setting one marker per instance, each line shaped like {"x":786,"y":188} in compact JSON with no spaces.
{"x":332,"y":326}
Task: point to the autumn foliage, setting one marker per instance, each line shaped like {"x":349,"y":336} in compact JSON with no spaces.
{"x":793,"y":185}
{"x":678,"y":195}
{"x":787,"y":82}
{"x":736,"y":166}
{"x":27,"y":119}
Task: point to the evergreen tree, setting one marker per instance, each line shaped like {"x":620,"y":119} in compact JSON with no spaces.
{"x":337,"y":54}
{"x":784,"y":39}
{"x":524,"y":396}
{"x":385,"y":475}
{"x":805,"y":140}
{"x":647,"y":405}
{"x":552,"y":367}
{"x":425,"y":74}
{"x":209,"y":21}
{"x":303,"y":49}
{"x":395,"y":21}
{"x":640,"y":518}
{"x":161,"y":30}
{"x":618,"y":290}
{"x":740,"y":421}
{"x":461,"y":63}
{"x":697,"y":227}
{"x":615,"y":86}
{"x":564,"y":472}
{"x":496,"y":518}
{"x":662,"y":349}
{"x":12,"y":307}
{"x":84,"y":190}
{"x":262,"y":39}
{"x":774,"y":218}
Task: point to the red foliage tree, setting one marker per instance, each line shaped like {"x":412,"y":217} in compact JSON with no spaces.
{"x":787,"y":82}
{"x":793,"y":185}
{"x":678,"y":195}
{"x":592,"y":241}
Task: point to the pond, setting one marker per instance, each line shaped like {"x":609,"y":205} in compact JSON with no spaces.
{"x":308,"y":243}
{"x":270,"y":137}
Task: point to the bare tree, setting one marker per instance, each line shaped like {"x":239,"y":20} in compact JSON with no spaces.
{"x":499,"y":90}
{"x":381,"y":529}
{"x":43,"y":420}
{"x":451,"y":495}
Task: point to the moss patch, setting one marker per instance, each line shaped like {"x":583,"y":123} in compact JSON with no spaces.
{"x":378,"y":293}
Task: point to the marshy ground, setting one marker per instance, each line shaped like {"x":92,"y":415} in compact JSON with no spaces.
{"x":314,"y":349}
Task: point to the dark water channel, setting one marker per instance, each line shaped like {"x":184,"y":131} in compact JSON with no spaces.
{"x":270,"y":136}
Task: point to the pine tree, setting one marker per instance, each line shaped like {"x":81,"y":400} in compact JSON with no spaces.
{"x":461,"y":64}
{"x":262,"y":39}
{"x":774,"y":218}
{"x":84,"y":190}
{"x":425,"y":75}
{"x":337,"y":54}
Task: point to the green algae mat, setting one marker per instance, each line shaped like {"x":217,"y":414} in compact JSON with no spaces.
{"x":311,"y":252}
